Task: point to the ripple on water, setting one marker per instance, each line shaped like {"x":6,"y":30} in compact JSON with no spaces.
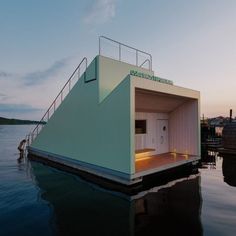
{"x":39,"y":200}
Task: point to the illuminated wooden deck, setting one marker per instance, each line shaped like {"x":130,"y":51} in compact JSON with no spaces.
{"x":156,"y":163}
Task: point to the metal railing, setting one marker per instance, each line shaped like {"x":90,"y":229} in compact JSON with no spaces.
{"x":137,"y":52}
{"x":147,"y":60}
{"x":78,"y":72}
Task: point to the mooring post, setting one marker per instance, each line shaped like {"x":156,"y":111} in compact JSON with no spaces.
{"x":230,"y":115}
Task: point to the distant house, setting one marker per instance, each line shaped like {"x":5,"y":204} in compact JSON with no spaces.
{"x":218,"y":121}
{"x":121,"y":122}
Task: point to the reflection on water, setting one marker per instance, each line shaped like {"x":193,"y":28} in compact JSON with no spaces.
{"x":170,"y":211}
{"x":22,"y":211}
{"x":80,"y":208}
{"x":36,"y":199}
{"x":218,"y":215}
{"x":208,"y":159}
{"x":229,"y":170}
{"x":85,"y":209}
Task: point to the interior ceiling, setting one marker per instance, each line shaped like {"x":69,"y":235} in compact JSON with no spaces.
{"x":150,"y":101}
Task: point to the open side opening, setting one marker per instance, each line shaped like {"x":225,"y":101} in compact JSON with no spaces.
{"x":166,"y":129}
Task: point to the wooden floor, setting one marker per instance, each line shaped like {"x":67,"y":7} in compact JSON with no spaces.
{"x":161,"y":161}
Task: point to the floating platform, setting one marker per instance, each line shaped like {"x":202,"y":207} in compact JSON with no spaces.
{"x":151,"y":180}
{"x":119,"y":121}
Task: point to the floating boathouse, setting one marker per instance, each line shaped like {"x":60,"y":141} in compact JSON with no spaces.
{"x":115,"y":119}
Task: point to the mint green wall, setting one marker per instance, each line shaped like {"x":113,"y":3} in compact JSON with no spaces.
{"x":89,"y":131}
{"x":132,"y":124}
{"x":112,"y":72}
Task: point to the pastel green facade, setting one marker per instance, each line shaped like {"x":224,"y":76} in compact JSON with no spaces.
{"x":112,"y":73}
{"x":94,"y":124}
{"x":93,"y":129}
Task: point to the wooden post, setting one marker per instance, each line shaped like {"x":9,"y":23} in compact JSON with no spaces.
{"x":230,"y":115}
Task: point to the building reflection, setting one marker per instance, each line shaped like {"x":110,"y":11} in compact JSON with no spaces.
{"x":170,"y":211}
{"x":82,"y":208}
{"x":229,"y":169}
{"x":208,"y":159}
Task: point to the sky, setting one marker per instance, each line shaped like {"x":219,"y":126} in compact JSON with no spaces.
{"x":192,"y":42}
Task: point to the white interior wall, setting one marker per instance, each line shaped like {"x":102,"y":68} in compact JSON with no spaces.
{"x":184,"y":128}
{"x":148,"y":140}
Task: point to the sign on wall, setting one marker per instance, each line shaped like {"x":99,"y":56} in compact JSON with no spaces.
{"x":150,"y":77}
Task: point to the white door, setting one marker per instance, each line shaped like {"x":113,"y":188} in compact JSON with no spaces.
{"x":162,"y":136}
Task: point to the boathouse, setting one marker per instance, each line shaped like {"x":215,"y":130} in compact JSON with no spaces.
{"x":118,"y":120}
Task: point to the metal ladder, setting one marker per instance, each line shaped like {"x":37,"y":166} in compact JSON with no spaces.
{"x":77,"y":74}
{"x":58,"y":100}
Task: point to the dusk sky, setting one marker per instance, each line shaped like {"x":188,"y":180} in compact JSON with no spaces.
{"x":192,"y":42}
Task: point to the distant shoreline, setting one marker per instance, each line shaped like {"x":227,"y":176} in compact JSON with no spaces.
{"x":7,"y":121}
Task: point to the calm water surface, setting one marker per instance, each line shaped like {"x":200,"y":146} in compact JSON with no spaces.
{"x":39,"y":200}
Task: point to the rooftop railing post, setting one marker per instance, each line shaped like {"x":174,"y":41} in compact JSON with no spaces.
{"x":137,"y":51}
{"x":136,"y":57}
{"x":99,"y":45}
{"x":119,"y":52}
{"x":150,"y":62}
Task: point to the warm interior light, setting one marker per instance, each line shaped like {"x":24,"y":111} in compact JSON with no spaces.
{"x":142,"y":158}
{"x":173,"y":154}
{"x":147,"y":152}
{"x":186,"y":156}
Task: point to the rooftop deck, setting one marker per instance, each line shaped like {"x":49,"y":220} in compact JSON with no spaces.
{"x":156,"y":163}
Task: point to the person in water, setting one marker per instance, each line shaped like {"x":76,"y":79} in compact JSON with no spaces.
{"x":21,"y":146}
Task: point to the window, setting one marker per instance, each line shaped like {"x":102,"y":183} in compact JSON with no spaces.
{"x":140,"y":126}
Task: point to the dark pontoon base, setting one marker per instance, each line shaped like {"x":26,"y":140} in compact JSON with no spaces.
{"x":95,"y":170}
{"x":149,"y":181}
{"x":146,"y":182}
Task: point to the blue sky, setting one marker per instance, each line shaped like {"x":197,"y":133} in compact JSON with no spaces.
{"x":192,"y":43}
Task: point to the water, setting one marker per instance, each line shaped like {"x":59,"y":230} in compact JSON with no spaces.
{"x":39,"y":200}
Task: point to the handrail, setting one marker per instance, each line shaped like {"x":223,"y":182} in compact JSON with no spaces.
{"x":36,"y":130}
{"x":147,"y":60}
{"x":125,"y":45}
